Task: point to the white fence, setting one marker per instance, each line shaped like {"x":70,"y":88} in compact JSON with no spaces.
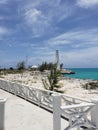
{"x":79,"y":112}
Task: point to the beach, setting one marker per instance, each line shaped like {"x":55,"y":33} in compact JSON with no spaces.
{"x":70,"y":86}
{"x":36,"y":117}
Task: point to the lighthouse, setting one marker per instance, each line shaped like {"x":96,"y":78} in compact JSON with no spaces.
{"x":57,"y":59}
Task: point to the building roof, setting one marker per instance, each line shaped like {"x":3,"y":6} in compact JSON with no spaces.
{"x":34,"y":66}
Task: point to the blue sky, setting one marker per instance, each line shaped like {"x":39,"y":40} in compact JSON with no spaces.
{"x":34,"y":29}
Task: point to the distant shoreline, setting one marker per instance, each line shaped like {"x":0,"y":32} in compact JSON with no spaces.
{"x":84,"y":73}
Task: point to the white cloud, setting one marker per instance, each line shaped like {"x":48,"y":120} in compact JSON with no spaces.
{"x":45,"y":54}
{"x":76,"y":39}
{"x":32,"y":15}
{"x":41,"y":16}
{"x":3,"y":1}
{"x":86,"y":57}
{"x":77,"y":48}
{"x":80,"y":58}
{"x":3,"y":31}
{"x":36,"y":21}
{"x":87,"y":3}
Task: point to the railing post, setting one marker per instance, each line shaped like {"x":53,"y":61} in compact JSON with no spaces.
{"x":39,"y":98}
{"x":2,"y":108}
{"x":94,"y":113}
{"x":56,"y":112}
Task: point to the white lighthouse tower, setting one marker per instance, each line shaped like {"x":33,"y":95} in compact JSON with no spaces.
{"x":57,"y":59}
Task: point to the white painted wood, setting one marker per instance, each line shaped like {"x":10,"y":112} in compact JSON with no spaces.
{"x":2,"y":113}
{"x":77,"y":106}
{"x":56,"y":112}
{"x":94,"y":113}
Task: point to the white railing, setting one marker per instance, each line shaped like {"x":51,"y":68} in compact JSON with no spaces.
{"x":2,"y":113}
{"x":40,"y":97}
{"x":76,"y":110}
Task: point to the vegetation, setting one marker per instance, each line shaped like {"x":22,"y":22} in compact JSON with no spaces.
{"x":21,"y":65}
{"x":91,"y":85}
{"x":9,"y":71}
{"x":20,"y":68}
{"x":53,"y":78}
{"x":45,"y":66}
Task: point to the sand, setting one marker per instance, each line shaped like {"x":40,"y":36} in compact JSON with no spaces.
{"x":73,"y":87}
{"x":22,"y":115}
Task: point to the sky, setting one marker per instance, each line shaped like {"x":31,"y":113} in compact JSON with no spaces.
{"x":32,"y":30}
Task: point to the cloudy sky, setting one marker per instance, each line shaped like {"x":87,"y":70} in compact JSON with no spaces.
{"x":32,"y":30}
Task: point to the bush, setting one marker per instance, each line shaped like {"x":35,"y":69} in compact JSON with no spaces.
{"x":45,"y":66}
{"x":21,"y":65}
{"x":91,"y":85}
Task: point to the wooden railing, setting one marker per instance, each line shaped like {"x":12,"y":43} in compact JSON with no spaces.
{"x":76,"y":110}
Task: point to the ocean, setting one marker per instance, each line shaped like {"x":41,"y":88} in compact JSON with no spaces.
{"x":84,"y":73}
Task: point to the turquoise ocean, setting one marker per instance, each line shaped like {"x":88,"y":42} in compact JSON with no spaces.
{"x":84,"y":73}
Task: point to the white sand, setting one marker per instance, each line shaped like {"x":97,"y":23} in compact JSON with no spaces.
{"x":73,"y":87}
{"x":26,"y":78}
{"x":22,"y":115}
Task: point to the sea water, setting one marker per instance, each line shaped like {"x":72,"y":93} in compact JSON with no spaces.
{"x":84,"y":73}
